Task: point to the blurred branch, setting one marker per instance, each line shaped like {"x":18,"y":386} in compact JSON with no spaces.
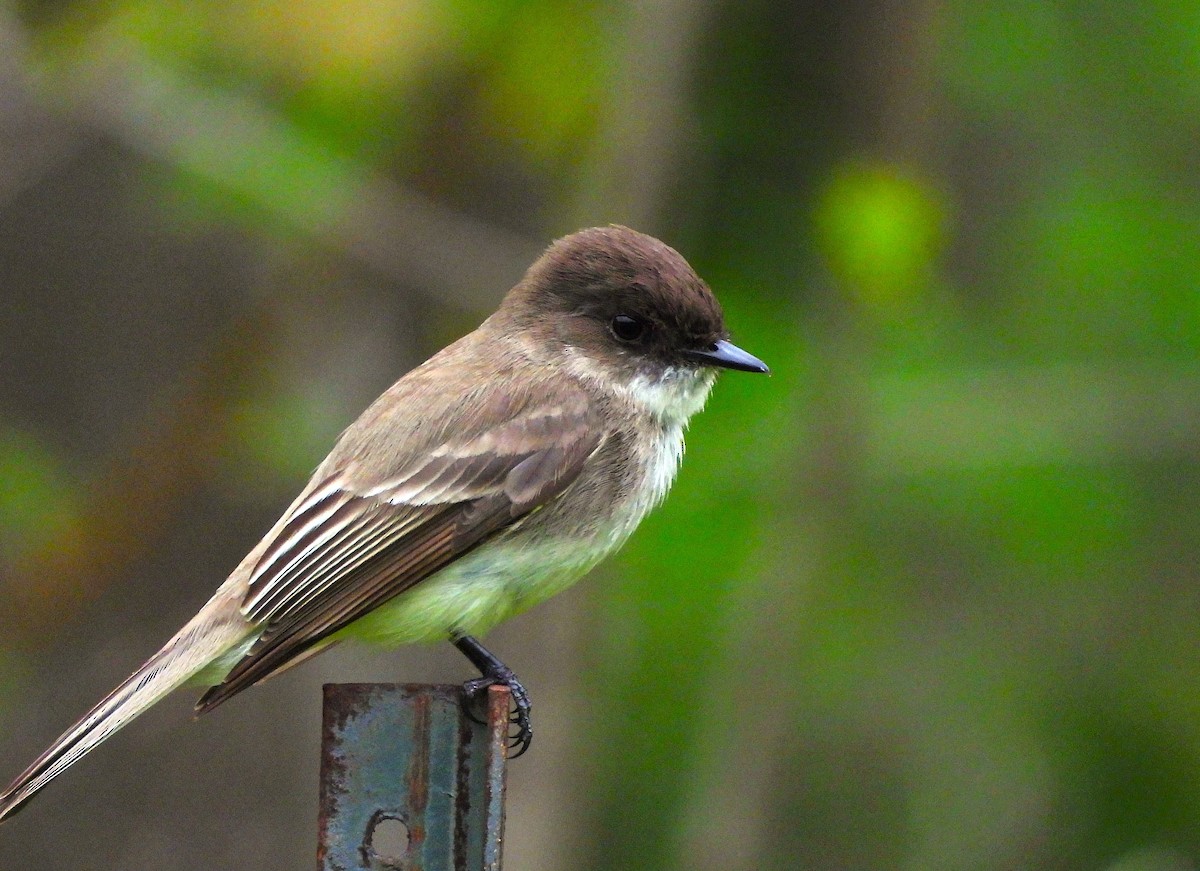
{"x":637,"y":151}
{"x":890,"y":68}
{"x":970,"y":419}
{"x":32,"y":142}
{"x":243,"y":148}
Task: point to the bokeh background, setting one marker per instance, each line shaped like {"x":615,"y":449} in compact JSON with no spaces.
{"x":926,"y":598}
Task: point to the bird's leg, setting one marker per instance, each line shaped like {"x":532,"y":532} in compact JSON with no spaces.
{"x":493,"y":671}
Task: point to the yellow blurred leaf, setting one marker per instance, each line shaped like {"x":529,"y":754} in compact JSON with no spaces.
{"x":880,"y":231}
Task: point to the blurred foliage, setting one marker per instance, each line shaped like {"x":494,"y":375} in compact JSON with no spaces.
{"x":37,"y":502}
{"x":880,"y":233}
{"x":924,"y":599}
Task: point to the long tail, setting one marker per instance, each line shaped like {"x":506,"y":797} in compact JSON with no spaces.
{"x":196,"y":646}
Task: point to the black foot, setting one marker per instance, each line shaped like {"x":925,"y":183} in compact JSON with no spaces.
{"x":495,"y":672}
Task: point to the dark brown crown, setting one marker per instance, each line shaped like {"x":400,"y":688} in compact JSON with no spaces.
{"x":603,"y":272}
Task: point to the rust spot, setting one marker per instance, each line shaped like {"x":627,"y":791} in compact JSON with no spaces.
{"x":341,"y":702}
{"x":418,"y":776}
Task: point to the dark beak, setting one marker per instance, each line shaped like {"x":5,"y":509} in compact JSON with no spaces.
{"x":728,"y":356}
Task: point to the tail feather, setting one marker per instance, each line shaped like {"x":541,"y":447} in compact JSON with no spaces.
{"x":189,"y":652}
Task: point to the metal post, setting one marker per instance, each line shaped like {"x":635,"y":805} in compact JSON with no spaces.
{"x":408,"y":781}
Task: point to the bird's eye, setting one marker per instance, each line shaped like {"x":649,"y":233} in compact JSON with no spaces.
{"x":628,"y":328}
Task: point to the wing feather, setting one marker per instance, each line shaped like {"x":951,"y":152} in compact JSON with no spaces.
{"x":283,"y":590}
{"x":308,"y":515}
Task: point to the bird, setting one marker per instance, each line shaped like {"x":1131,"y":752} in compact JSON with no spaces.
{"x":485,"y":480}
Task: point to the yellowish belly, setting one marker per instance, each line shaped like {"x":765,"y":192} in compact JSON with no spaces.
{"x":476,"y":592}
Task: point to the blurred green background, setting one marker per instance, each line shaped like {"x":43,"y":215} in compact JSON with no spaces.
{"x":924,"y":599}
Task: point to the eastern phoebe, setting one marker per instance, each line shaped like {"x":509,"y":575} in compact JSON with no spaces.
{"x":487,"y":479}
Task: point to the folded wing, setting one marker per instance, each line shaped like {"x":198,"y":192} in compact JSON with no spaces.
{"x":349,"y":546}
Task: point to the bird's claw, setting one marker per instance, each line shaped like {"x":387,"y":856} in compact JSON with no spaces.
{"x":476,"y":688}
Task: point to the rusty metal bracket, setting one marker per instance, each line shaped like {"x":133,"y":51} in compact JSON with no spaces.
{"x":409,"y":782}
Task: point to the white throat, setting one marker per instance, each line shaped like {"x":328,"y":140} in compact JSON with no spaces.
{"x":671,"y":396}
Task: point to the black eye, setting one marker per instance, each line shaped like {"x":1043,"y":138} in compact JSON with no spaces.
{"x":628,"y":328}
